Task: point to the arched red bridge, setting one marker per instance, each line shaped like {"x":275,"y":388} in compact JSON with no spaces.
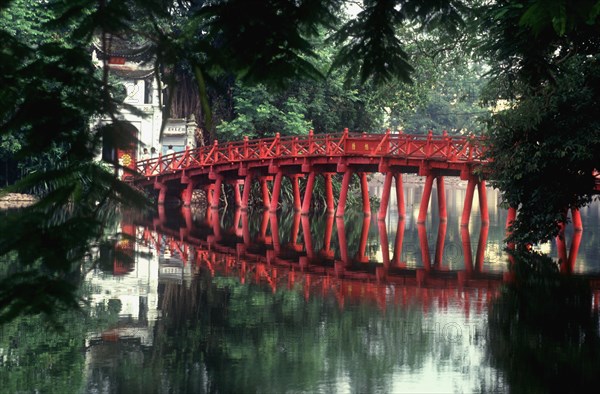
{"x":269,"y":160}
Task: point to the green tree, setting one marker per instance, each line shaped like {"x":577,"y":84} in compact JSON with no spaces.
{"x":546,"y":144}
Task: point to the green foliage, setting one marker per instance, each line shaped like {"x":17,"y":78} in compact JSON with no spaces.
{"x":546,"y":146}
{"x":258,"y":116}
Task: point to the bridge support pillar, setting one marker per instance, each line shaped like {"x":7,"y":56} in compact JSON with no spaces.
{"x":308,"y":193}
{"x":424,"y":245}
{"x":276,"y":191}
{"x":466,"y":213}
{"x":186,"y":194}
{"x":567,"y":261}
{"x":236,"y":193}
{"x":329,"y":192}
{"x":326,"y":251}
{"x":308,"y":244}
{"x":296,"y":192}
{"x":385,"y":196}
{"x":441,"y":193}
{"x":264,"y":187}
{"x":364,"y":233}
{"x":341,"y":230}
{"x":483,"y":206}
{"x":425,"y":199}
{"x":246,"y":192}
{"x":578,"y":227}
{"x":400,"y":195}
{"x":216,"y":199}
{"x":295,"y":229}
{"x":341,"y":209}
{"x":483,"y":236}
{"x":364,"y":187}
{"x":208,"y":190}
{"x":510,"y":218}
{"x":162,"y":192}
{"x":399,"y":242}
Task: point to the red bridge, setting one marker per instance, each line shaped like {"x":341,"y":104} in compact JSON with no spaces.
{"x":269,"y":160}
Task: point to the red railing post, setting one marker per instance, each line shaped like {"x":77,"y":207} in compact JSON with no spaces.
{"x":428,"y":146}
{"x":160,"y":163}
{"x":447,"y":141}
{"x":310,"y":142}
{"x":277,"y":145}
{"x":246,"y":147}
{"x":295,"y":147}
{"x":215,"y":151}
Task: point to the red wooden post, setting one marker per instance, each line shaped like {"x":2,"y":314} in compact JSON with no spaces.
{"x":466,"y":244}
{"x":208,"y":189}
{"x":277,"y":145}
{"x":236,"y":193}
{"x":425,"y":199}
{"x":276,"y":191}
{"x":483,"y":204}
{"x":575,"y":243}
{"x":385,"y":196}
{"x":385,"y":246}
{"x":295,"y":228}
{"x":217,"y":192}
{"x":576,"y":218}
{"x":275,"y":233}
{"x":441,"y":193}
{"x":162,"y":192}
{"x":329,"y":192}
{"x":246,"y":153}
{"x":265,"y":192}
{"x":216,"y":226}
{"x":364,"y":234}
{"x":400,"y":195}
{"x":186,"y":194}
{"x":466,"y":213}
{"x":424,"y":245}
{"x":310,"y":252}
{"x":343,"y":194}
{"x":364,"y":186}
{"x":245,"y":228}
{"x":308,"y":193}
{"x":327,"y":236}
{"x":399,"y":241}
{"x":439,"y":246}
{"x":481,"y":244}
{"x":246,"y":191}
{"x":296,"y":192}
{"x":264,"y":225}
{"x":341,"y":230}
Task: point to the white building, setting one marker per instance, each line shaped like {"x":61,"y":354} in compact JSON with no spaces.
{"x":133,"y":66}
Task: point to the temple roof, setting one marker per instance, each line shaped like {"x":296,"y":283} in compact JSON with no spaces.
{"x":117,"y":46}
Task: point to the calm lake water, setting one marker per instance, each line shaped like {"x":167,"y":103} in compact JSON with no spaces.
{"x":193,"y":302}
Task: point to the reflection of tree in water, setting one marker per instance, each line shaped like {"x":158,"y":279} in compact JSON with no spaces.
{"x":219,"y":335}
{"x":543,"y":333}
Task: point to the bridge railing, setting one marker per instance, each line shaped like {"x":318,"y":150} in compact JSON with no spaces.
{"x":432,"y":147}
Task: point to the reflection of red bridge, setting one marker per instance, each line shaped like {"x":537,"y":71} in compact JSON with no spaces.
{"x":266,"y":260}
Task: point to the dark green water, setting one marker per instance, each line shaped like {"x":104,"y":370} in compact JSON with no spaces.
{"x":189,"y":317}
